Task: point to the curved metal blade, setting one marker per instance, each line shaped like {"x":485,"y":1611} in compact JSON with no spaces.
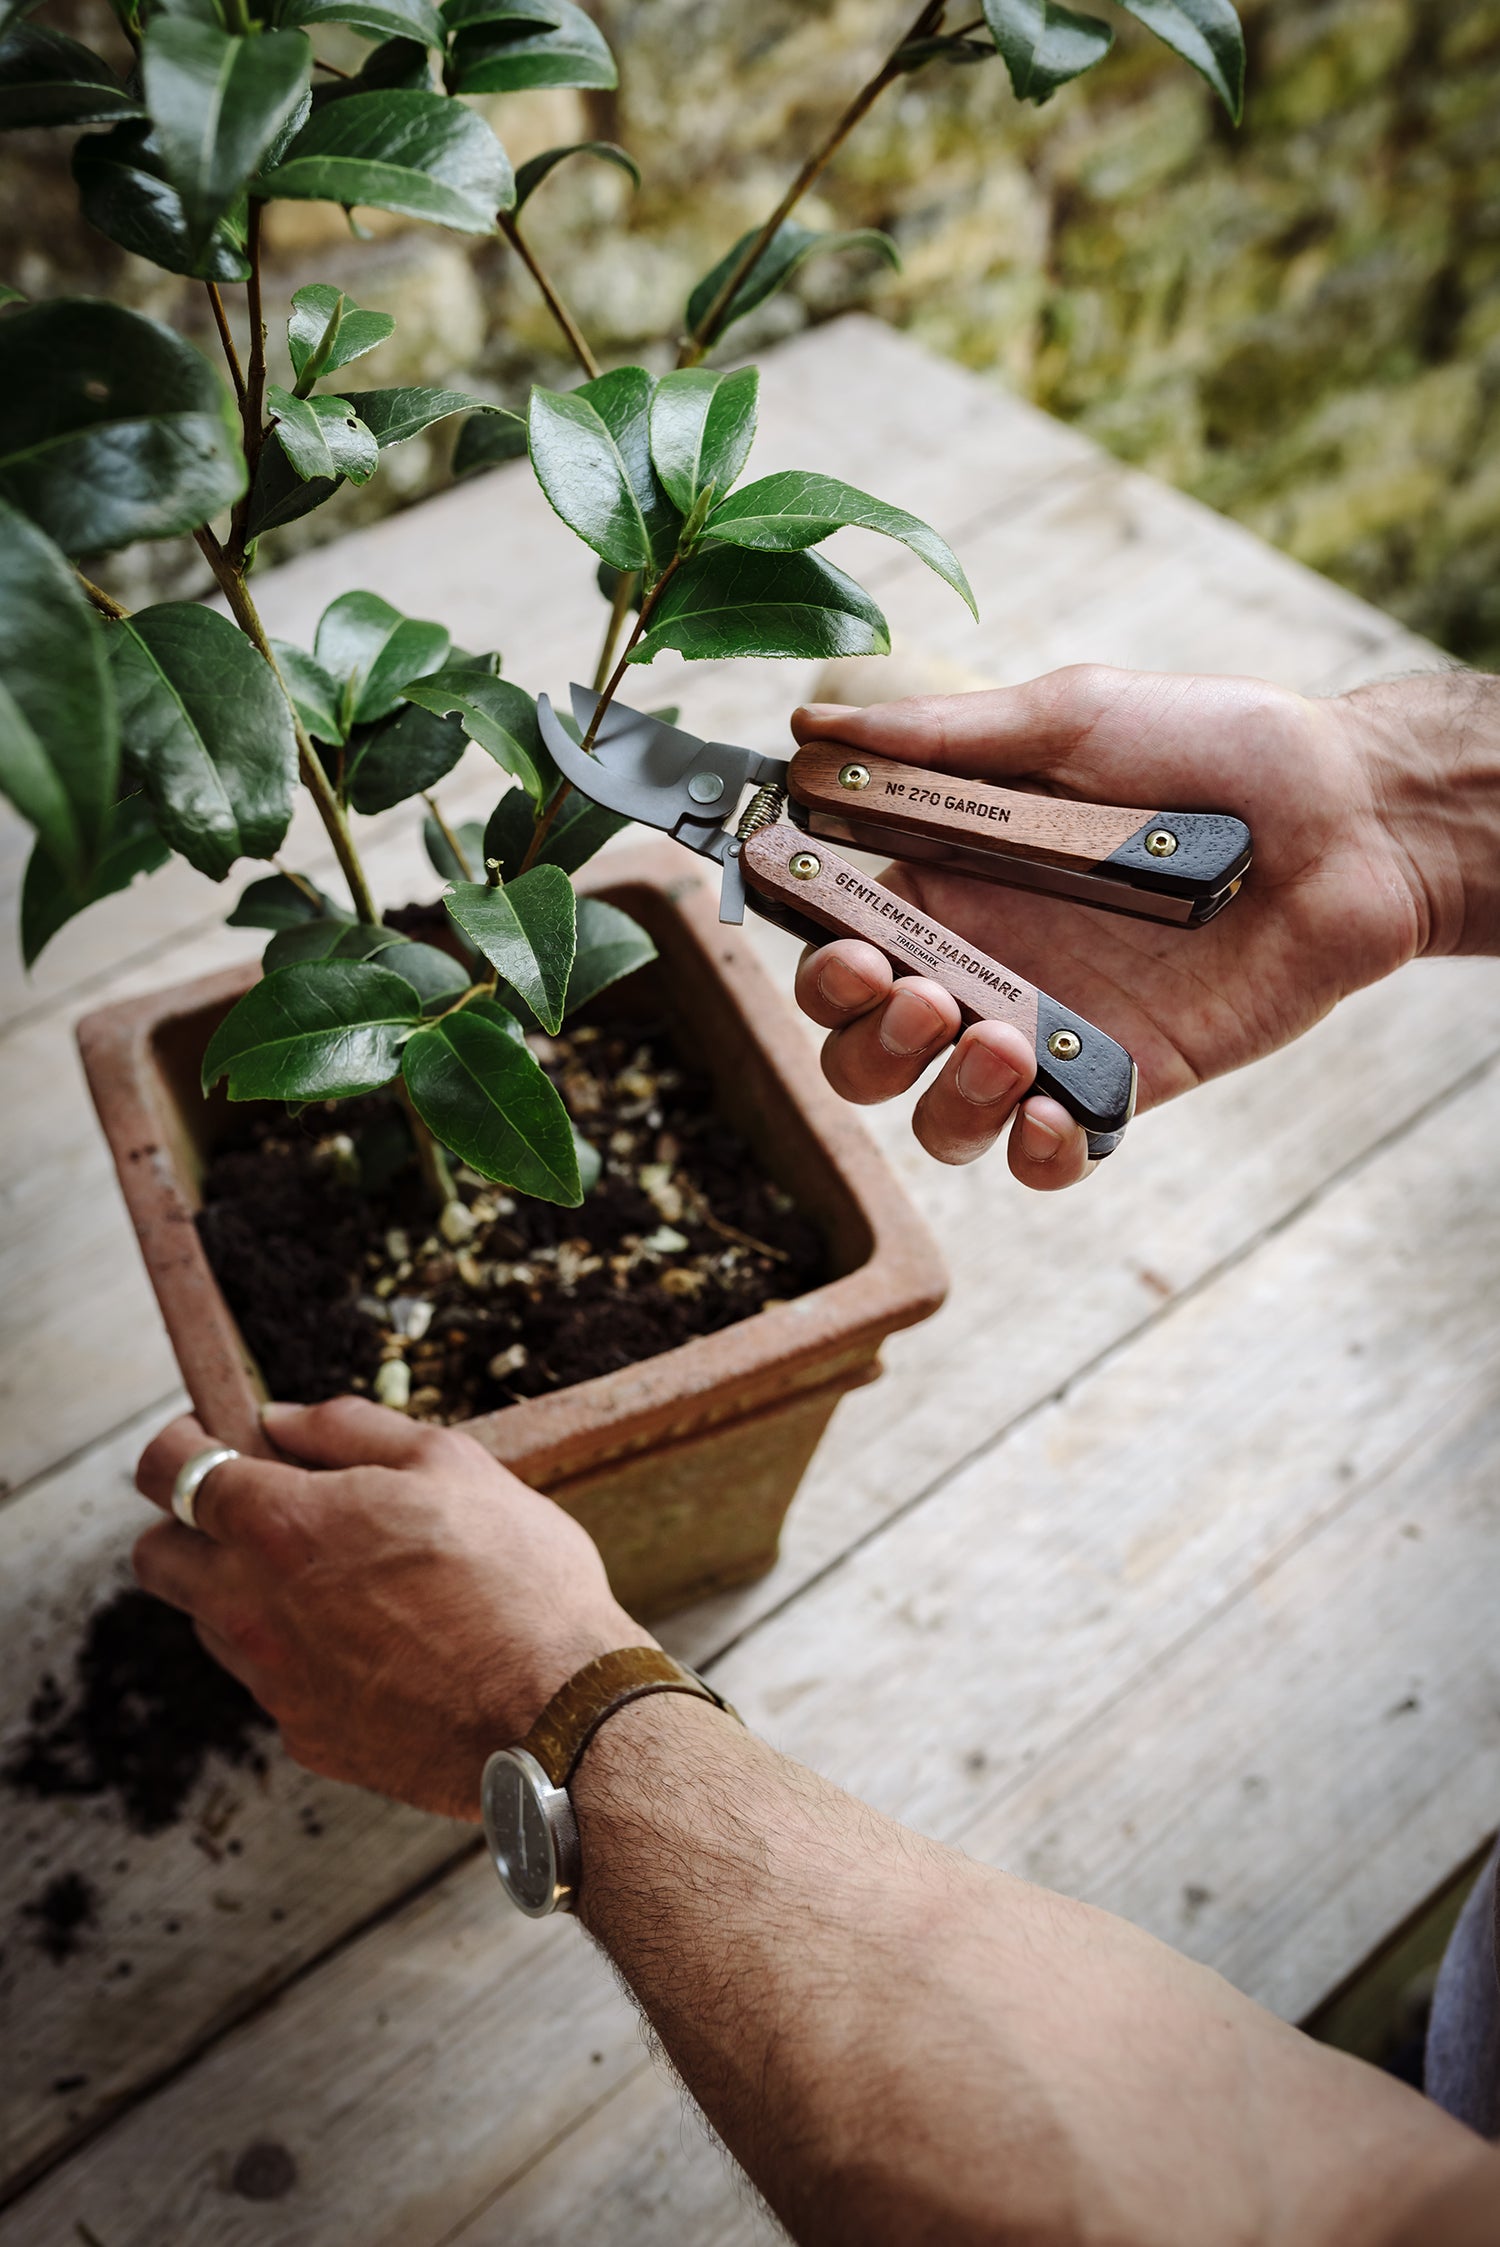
{"x":648,"y":770}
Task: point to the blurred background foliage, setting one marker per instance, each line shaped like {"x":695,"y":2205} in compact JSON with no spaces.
{"x":1299,"y":322}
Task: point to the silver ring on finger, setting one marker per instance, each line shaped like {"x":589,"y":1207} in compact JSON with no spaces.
{"x":190,"y":1478}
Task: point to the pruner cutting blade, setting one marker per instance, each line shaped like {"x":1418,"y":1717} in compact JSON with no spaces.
{"x":648,"y":770}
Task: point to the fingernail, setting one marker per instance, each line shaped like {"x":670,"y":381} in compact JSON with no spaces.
{"x":1041,"y":1143}
{"x":985,"y":1076}
{"x":842,"y":985}
{"x":909,"y":1025}
{"x":825,"y":710}
{"x":273,"y":1414}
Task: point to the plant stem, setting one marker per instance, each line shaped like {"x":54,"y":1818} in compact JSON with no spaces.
{"x":559,"y":311}
{"x":619,"y":609}
{"x":104,"y":602}
{"x":448,"y":836}
{"x":253,"y":403}
{"x":706,"y":333}
{"x":431,"y":1160}
{"x":314,"y":778}
{"x":233,"y":357}
{"x":543,"y":826}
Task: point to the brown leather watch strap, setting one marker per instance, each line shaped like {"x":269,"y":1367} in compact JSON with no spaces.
{"x":577,"y":1709}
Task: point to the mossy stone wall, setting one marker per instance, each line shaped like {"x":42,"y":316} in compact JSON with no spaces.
{"x":1299,"y":321}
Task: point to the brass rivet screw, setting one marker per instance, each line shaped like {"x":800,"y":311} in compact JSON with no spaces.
{"x":1065,"y":1045}
{"x":854,"y":776}
{"x":1160,"y":843}
{"x":803,"y":864}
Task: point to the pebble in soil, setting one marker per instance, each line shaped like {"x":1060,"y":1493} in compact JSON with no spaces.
{"x":340,"y":1279}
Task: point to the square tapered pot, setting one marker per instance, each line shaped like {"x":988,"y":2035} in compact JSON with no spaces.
{"x":682,"y":1466}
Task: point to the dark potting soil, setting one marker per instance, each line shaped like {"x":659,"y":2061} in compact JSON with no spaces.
{"x":65,"y":1908}
{"x":341,"y":1277}
{"x":146,"y":1710}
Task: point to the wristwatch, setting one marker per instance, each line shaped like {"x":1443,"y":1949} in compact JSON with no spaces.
{"x":528,"y":1818}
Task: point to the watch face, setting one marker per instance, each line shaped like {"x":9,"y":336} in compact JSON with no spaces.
{"x":520,"y":1834}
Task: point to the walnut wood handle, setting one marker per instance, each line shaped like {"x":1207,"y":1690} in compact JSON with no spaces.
{"x":845,"y":793}
{"x":1089,"y":1073}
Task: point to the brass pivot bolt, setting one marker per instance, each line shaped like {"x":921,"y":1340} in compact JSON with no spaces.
{"x":1160,"y":843}
{"x":854,"y":776}
{"x":803,"y":864}
{"x":1065,"y":1045}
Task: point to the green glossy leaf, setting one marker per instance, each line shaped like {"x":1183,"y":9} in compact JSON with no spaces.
{"x":433,"y":974}
{"x":1044,"y":44}
{"x":312,"y":690}
{"x":377,"y":19}
{"x":724,"y":603}
{"x":446,"y":861}
{"x":791,"y":245}
{"x":417,"y":153}
{"x":322,"y":1031}
{"x":529,"y":178}
{"x":798,"y":508}
{"x":479,"y":1089}
{"x":702,"y":428}
{"x":499,"y":716}
{"x":373,"y":652}
{"x":9,"y":295}
{"x":591,"y":450}
{"x":528,"y":931}
{"x":400,"y":756}
{"x":279,"y":495}
{"x":123,"y":194}
{"x":509,"y":46}
{"x":394,"y":415}
{"x":403,"y":63}
{"x":131,"y":846}
{"x":276,"y":901}
{"x":487,"y":439}
{"x":328,"y":938}
{"x":577,"y":831}
{"x":610,"y":945}
{"x":217,"y":105}
{"x":59,"y":734}
{"x":206,"y":730}
{"x":323,"y":436}
{"x":326,"y":331}
{"x":114,"y":428}
{"x":945,"y":47}
{"x":46,"y":79}
{"x":1205,"y":33}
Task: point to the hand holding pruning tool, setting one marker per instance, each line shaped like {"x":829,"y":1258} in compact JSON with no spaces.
{"x":1168,"y":867}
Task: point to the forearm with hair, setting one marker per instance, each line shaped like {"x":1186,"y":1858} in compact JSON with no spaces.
{"x":902,"y":2046}
{"x":1433,"y":743}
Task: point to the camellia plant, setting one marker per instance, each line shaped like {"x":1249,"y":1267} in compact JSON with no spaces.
{"x":126,"y":738}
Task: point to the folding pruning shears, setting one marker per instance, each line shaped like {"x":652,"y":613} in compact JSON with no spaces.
{"x":1180,"y":867}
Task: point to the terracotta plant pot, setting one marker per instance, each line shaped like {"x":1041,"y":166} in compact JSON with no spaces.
{"x":683,"y":1465}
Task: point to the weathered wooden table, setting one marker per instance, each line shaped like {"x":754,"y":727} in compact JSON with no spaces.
{"x":1161,"y":1565}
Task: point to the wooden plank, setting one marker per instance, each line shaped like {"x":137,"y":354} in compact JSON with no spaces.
{"x":197,"y":1923}
{"x":1038,"y":1589}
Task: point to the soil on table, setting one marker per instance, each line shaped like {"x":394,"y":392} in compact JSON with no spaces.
{"x":145,"y":1710}
{"x":342,"y":1276}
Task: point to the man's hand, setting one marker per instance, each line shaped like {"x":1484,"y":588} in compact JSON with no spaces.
{"x":1366,"y":813}
{"x":397,"y":1601}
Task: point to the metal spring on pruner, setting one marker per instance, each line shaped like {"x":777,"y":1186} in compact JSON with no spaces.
{"x":763,"y":810}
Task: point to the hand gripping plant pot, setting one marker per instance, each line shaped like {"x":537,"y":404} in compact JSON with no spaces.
{"x":681,"y":1466}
